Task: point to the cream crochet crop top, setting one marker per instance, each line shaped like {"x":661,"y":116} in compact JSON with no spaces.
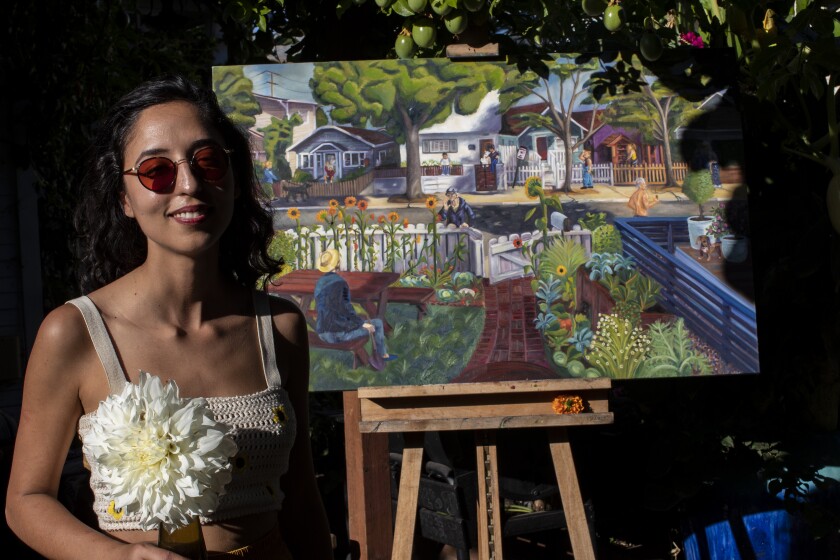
{"x":262,"y":425}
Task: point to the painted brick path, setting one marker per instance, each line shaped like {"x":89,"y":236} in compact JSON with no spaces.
{"x":509,"y":334}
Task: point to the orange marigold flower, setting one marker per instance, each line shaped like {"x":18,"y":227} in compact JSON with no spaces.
{"x":393,"y":217}
{"x":372,"y":216}
{"x":431,"y":202}
{"x":321,"y":216}
{"x":405,"y":222}
{"x":567,"y":404}
{"x":332,"y":210}
{"x":418,"y":239}
{"x":333,"y":203}
{"x":353,"y":220}
{"x":362,"y":204}
{"x":517,"y":243}
{"x":381,"y":219}
{"x":293,"y":213}
{"x":350,"y":201}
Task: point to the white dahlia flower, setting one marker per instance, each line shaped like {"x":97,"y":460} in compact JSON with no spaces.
{"x":161,"y":456}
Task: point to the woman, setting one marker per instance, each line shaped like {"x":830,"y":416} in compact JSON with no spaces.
{"x":172,"y":239}
{"x":586,"y":160}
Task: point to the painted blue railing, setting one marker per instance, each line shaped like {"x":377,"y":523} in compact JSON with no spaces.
{"x":714,"y":311}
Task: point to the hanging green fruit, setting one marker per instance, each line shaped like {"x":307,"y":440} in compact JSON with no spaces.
{"x":650,"y":46}
{"x":383,"y":3}
{"x":417,"y":6}
{"x":401,"y":7}
{"x":423,"y":32}
{"x":405,"y":46}
{"x":456,"y":21}
{"x":614,"y":17}
{"x":593,"y":7}
{"x":441,"y":7}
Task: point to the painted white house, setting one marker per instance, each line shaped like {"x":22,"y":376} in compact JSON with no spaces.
{"x":344,"y":149}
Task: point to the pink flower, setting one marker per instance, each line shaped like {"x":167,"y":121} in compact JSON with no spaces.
{"x":693,"y":39}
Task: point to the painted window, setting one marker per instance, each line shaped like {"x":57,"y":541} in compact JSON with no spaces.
{"x":304,"y":161}
{"x":439,"y":146}
{"x":353,"y":159}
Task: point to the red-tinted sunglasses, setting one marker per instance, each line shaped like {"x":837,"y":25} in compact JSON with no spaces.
{"x":158,"y":173}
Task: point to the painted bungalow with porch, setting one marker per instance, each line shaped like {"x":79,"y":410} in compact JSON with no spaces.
{"x":464,"y":138}
{"x":538,"y":140}
{"x":343,"y":150}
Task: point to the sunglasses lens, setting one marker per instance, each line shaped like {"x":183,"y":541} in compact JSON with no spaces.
{"x":211,"y":163}
{"x":157,"y":174}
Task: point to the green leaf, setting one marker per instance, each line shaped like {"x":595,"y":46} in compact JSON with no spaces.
{"x":530,"y":213}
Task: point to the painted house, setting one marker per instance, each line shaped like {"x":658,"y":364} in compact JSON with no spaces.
{"x":464,"y":138}
{"x":538,"y":140}
{"x":280,"y":108}
{"x":609,"y":143}
{"x":343,"y":148}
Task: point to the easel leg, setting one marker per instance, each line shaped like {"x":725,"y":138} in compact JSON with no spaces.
{"x":564,"y":467}
{"x":368,"y":485}
{"x":489,"y":502}
{"x":409,"y":490}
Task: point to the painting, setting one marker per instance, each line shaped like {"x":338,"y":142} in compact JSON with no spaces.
{"x":450,"y":222}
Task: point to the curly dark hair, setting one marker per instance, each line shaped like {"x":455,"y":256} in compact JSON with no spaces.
{"x":110,"y":244}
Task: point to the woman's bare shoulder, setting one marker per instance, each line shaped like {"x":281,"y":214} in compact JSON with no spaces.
{"x":63,"y":346}
{"x":288,"y":318}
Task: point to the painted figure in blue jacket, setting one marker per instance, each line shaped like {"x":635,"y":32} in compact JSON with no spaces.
{"x":456,"y":210}
{"x":337,"y":320}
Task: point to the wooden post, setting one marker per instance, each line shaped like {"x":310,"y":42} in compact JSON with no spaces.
{"x":368,"y":485}
{"x":489,"y":501}
{"x":564,"y":468}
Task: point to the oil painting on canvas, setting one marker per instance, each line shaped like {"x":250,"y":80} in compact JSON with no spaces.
{"x":448,"y":222}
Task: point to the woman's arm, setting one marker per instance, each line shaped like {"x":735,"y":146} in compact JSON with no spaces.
{"x":303,"y":520}
{"x":62,"y":355}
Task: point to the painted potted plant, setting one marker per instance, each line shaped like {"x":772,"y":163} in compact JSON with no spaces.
{"x":699,"y":188}
{"x":729,"y":227}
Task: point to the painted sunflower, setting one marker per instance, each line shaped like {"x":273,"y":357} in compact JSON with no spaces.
{"x":321,"y":216}
{"x":293,"y":213}
{"x":517,"y":243}
{"x":431,"y":202}
{"x":533,"y":187}
{"x":561,"y":270}
{"x":350,"y":201}
{"x":393,"y":217}
{"x":334,"y":203}
{"x":362,"y":204}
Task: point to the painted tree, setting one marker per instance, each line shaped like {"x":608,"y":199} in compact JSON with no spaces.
{"x":562,"y":91}
{"x":403,"y":98}
{"x":235,"y":94}
{"x":656,"y":112}
{"x":277,"y":138}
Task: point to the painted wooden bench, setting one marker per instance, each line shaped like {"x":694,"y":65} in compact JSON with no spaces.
{"x":417,"y":297}
{"x":356,"y":346}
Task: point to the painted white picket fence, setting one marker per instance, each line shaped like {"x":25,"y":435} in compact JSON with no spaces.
{"x":505,"y":257}
{"x":409,"y":245}
{"x":601,"y":172}
{"x":497,"y":259}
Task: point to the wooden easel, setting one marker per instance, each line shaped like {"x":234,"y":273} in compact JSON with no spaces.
{"x":484,"y":408}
